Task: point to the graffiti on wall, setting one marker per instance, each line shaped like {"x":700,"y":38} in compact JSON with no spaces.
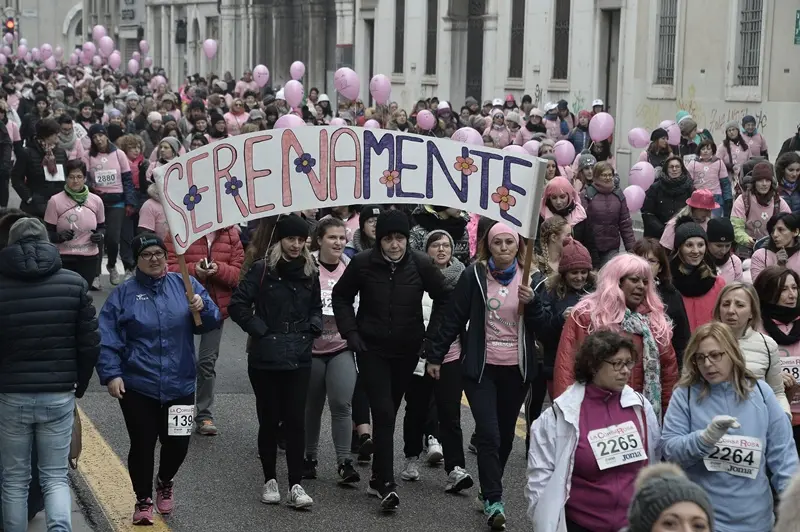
{"x":648,"y":115}
{"x":719,"y":117}
{"x":578,"y":102}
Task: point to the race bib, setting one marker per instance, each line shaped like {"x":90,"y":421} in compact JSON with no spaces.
{"x":737,"y":455}
{"x":617,"y":445}
{"x":180,"y":420}
{"x":106,"y":178}
{"x":58,"y":176}
{"x":327,"y":302}
{"x":791,"y":365}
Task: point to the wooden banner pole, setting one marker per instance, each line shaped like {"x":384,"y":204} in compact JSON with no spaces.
{"x":187,"y":284}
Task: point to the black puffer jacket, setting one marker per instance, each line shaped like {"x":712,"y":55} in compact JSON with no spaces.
{"x":287,"y":318}
{"x":467,"y":305}
{"x":663,"y":199}
{"x":28,"y":178}
{"x":389,"y":316}
{"x":48,"y":328}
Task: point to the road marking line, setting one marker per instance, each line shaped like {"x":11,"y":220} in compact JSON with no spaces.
{"x":521,"y":428}
{"x":109,"y":480}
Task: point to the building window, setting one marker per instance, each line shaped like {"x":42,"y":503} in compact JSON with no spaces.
{"x":667,"y":34}
{"x":748,"y":59}
{"x":517,"y":39}
{"x":399,"y":34}
{"x":561,"y":40}
{"x":430,"y":38}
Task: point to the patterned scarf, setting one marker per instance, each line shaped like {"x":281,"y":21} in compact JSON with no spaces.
{"x":635,"y":323}
{"x":504,"y":277}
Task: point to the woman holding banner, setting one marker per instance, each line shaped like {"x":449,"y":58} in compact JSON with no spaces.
{"x":284,"y":289}
{"x":498,"y":354}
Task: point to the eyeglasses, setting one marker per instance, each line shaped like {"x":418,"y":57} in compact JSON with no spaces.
{"x":606,"y":176}
{"x":619,"y":364}
{"x":372,"y":222}
{"x":150,"y":255}
{"x":653,"y":261}
{"x":674,"y":167}
{"x":441,"y":245}
{"x":714,"y":357}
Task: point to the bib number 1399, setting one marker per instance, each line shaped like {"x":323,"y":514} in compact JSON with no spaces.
{"x":180,"y":420}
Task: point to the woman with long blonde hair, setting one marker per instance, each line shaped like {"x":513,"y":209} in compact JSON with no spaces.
{"x":625,"y":301}
{"x":725,"y":428}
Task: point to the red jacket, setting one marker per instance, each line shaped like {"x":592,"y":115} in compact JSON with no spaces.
{"x":571,"y":339}
{"x":226,"y":251}
{"x":700,"y":310}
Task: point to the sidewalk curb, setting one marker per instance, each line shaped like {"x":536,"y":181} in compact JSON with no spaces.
{"x":89,"y":505}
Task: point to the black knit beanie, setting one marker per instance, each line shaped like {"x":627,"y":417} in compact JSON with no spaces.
{"x":144,"y":240}
{"x":367,"y":212}
{"x":391,"y":221}
{"x":291,"y":225}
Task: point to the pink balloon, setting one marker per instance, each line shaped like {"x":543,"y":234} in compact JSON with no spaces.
{"x":513,"y":148}
{"x":58,"y":52}
{"x":425,"y":120}
{"x":297,"y":70}
{"x":86,"y":59}
{"x":564,"y":152}
{"x":21,"y":51}
{"x":114,"y":60}
{"x":28,"y":57}
{"x":381,"y":88}
{"x":89,"y":48}
{"x":261,"y":75}
{"x":73,"y":59}
{"x":338,"y":122}
{"x":8,"y":38}
{"x":144,"y":46}
{"x":666,"y":123}
{"x":467,"y":135}
{"x":372,"y":124}
{"x":6,"y":51}
{"x":23,"y":42}
{"x":532,"y":147}
{"x":635,"y":197}
{"x":638,"y":137}
{"x":210,"y":48}
{"x":98,"y":32}
{"x":46,"y":51}
{"x":35,"y":54}
{"x":137,"y":56}
{"x":290,"y":120}
{"x":97,"y":61}
{"x":346,"y":82}
{"x":674,"y":134}
{"x":293,"y":92}
{"x":106,"y":45}
{"x":601,"y":127}
{"x":148,"y":62}
{"x":3,"y":59}
{"x":133,"y":66}
{"x":50,"y":63}
{"x":642,"y":174}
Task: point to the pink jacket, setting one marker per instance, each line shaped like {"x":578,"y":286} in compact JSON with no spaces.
{"x":764,"y":258}
{"x":757,"y":143}
{"x":523,"y":136}
{"x":235,"y":122}
{"x":554,"y":130}
{"x":500,"y":136}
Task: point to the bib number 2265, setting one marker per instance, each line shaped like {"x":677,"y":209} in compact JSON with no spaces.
{"x":180,"y":420}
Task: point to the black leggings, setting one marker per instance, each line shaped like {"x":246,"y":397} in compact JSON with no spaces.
{"x":86,"y":267}
{"x":146,"y":420}
{"x":281,"y":396}
{"x":360,"y":403}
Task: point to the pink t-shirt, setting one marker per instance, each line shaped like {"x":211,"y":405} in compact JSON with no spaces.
{"x":706,"y":174}
{"x":502,"y":321}
{"x":107,"y":169}
{"x":235,"y":122}
{"x":757,"y":143}
{"x":244,"y":86}
{"x":152,"y":218}
{"x":764,"y":258}
{"x":77,"y":152}
{"x":351,"y":226}
{"x":739,"y":156}
{"x":756,"y":220}
{"x":63,"y":212}
{"x":731,"y":271}
{"x":330,"y":341}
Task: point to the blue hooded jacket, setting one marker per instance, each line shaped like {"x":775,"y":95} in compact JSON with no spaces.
{"x":740,"y":504}
{"x":147,"y":336}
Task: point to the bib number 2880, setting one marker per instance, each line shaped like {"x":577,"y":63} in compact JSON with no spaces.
{"x":180,"y":420}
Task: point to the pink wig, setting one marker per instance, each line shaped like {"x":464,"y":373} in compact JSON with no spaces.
{"x":561,"y":185}
{"x":606,"y":305}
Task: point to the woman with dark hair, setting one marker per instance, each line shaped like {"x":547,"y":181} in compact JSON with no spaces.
{"x":608,"y":215}
{"x":658,"y":150}
{"x":198,"y":141}
{"x":656,"y":256}
{"x":787,"y":171}
{"x":75,"y":220}
{"x":777,"y":288}
{"x":602,"y":152}
{"x":734,"y":152}
{"x":587,"y":449}
{"x":666,"y":197}
{"x":782,"y":245}
{"x":759,"y":202}
{"x":709,"y":173}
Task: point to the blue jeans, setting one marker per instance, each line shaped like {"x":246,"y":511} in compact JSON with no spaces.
{"x":719,"y":212}
{"x":48,"y":416}
{"x":35,"y":498}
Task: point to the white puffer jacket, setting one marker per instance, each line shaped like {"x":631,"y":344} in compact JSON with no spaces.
{"x":761,"y":355}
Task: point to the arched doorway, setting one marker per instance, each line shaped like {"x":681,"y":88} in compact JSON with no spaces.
{"x":72,"y":29}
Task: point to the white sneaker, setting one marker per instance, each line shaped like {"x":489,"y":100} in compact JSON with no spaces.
{"x":114,"y":276}
{"x":128,"y":275}
{"x":298,"y":498}
{"x":435,"y":454}
{"x":411,"y":472}
{"x":96,"y":284}
{"x":458,"y":480}
{"x":271,"y":495}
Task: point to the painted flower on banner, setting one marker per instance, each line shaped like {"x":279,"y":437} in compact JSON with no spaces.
{"x":233,"y":186}
{"x":304,"y":164}
{"x":504,"y":198}
{"x":390,"y":178}
{"x":465,"y":165}
{"x":192,"y":198}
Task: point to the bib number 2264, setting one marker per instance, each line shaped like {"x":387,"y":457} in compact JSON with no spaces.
{"x":180,"y":420}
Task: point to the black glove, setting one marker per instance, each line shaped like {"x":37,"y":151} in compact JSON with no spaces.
{"x":316,"y":332}
{"x":727,"y":208}
{"x":96,"y":237}
{"x":355,"y":342}
{"x":63,"y":236}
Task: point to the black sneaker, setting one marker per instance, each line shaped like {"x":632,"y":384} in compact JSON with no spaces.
{"x":386,"y":493}
{"x":309,"y":469}
{"x":365,"y":448}
{"x":355,"y":443}
{"x":347,"y":473}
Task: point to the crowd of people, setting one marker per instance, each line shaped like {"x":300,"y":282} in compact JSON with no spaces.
{"x":682,"y":346}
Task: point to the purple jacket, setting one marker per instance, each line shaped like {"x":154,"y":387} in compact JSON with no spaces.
{"x":608,"y":214}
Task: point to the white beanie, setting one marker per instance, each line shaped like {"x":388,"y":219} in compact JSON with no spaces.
{"x":279,"y":95}
{"x":153,"y":117}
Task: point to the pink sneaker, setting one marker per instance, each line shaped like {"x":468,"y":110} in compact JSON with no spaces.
{"x":143,"y":512}
{"x":164,"y":501}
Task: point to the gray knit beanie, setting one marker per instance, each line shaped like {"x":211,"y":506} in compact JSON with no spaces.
{"x":657,"y":488}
